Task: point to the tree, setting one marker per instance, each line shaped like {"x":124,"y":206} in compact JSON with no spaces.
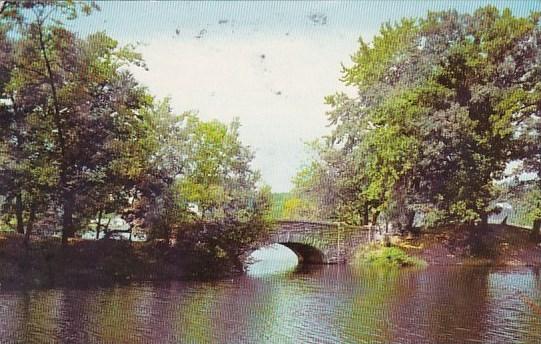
{"x":81,"y":108}
{"x":23,"y":172}
{"x":218,"y":183}
{"x":315,"y":195}
{"x":81,"y":139}
{"x":200,"y":187}
{"x":441,"y":104}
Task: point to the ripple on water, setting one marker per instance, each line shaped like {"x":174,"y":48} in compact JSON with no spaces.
{"x":325,"y":304}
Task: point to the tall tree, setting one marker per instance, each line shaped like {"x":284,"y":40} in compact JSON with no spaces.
{"x":81,"y":105}
{"x":231,"y":210}
{"x":200,"y":187}
{"x":441,"y":103}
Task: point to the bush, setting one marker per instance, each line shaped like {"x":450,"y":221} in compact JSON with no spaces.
{"x":213,"y":249}
{"x":393,"y":256}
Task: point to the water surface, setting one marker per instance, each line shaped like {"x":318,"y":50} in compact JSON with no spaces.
{"x":325,"y":304}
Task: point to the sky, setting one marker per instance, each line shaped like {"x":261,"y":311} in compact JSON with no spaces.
{"x":268,"y":63}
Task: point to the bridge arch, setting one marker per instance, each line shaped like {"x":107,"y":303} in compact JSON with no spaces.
{"x":318,"y":242}
{"x":306,"y":254}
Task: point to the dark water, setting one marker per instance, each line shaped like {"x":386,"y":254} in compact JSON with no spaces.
{"x":328,"y":304}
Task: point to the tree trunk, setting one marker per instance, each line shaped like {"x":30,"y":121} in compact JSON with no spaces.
{"x":106,"y":228}
{"x":410,"y":219}
{"x":375,"y":218}
{"x":29,"y":225}
{"x":536,"y":229}
{"x":98,"y":225}
{"x":67,"y":219}
{"x":366,"y":219}
{"x":484,"y":219}
{"x":19,"y":213}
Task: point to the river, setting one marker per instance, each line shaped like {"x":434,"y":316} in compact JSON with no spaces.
{"x":278,"y":303}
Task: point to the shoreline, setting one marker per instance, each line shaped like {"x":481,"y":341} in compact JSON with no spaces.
{"x":492,"y":246}
{"x":108,"y":262}
{"x":89,"y":262}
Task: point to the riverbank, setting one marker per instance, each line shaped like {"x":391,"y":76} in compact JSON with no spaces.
{"x":83,"y":262}
{"x":45,"y":263}
{"x":493,"y":245}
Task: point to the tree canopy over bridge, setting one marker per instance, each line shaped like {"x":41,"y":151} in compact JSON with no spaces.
{"x":444,"y":104}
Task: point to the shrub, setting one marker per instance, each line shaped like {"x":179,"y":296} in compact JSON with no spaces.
{"x":393,"y":256}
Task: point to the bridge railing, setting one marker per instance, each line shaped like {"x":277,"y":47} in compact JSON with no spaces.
{"x":340,"y":228}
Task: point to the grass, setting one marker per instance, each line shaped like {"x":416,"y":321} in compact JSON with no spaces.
{"x":389,"y":257}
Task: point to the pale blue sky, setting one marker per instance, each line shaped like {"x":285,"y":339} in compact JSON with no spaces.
{"x":268,"y":63}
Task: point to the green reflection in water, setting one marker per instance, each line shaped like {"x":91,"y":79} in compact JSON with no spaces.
{"x":109,"y":311}
{"x":367,"y":310}
{"x":39,"y":310}
{"x":194,"y":322}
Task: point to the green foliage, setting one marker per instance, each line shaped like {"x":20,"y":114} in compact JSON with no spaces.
{"x":81,"y":137}
{"x":201,"y":189}
{"x":372,"y":60}
{"x":277,"y":204}
{"x":73,"y":130}
{"x":387,"y":257}
{"x":443,"y":104}
{"x":231,"y":212}
{"x":525,"y":200}
{"x":296,"y":208}
{"x":216,"y":174}
{"x":289,"y":206}
{"x":314,"y":196}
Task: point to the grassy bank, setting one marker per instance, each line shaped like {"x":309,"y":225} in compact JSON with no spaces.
{"x":45,"y":263}
{"x":386,"y":257}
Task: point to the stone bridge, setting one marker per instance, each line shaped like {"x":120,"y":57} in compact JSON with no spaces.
{"x":320,"y":242}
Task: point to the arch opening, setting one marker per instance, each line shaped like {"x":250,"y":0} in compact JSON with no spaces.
{"x":283,"y":257}
{"x":306,"y":254}
{"x":272,"y":259}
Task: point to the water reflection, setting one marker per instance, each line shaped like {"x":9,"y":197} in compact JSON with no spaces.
{"x":322,"y":304}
